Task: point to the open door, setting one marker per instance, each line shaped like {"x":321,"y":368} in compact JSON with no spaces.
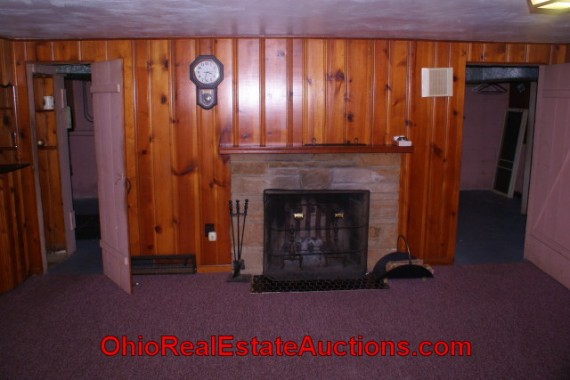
{"x":547,"y":239}
{"x":107,"y":90}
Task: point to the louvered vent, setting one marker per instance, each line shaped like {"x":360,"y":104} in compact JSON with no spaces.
{"x":437,"y":81}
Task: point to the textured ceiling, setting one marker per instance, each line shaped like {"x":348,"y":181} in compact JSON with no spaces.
{"x":468,"y":20}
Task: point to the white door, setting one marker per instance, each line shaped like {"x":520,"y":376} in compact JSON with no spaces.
{"x":107,"y":90}
{"x":547,"y":242}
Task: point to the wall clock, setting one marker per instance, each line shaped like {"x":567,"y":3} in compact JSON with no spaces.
{"x":207,"y":72}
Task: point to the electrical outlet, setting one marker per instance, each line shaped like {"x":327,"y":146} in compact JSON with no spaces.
{"x":212,"y":236}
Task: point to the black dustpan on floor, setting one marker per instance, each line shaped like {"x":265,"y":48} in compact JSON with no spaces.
{"x":401,"y":265}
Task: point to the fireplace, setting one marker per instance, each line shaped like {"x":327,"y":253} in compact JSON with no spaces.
{"x":377,"y":173}
{"x":315,"y":234}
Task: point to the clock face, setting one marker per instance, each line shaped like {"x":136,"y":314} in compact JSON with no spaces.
{"x":207,"y":71}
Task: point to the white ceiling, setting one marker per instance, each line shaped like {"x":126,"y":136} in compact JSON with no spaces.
{"x":467,"y":20}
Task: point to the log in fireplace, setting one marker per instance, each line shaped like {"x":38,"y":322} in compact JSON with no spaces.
{"x":315,"y":234}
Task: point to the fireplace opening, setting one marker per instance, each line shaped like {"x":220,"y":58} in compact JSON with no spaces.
{"x":315,"y":234}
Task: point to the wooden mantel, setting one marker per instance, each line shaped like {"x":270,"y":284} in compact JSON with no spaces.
{"x":315,"y":149}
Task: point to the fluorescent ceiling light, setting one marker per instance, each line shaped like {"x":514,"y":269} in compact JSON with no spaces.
{"x":551,"y":6}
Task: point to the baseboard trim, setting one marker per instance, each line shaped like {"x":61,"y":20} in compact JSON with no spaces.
{"x":214,"y":268}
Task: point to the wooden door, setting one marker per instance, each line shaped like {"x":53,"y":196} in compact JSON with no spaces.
{"x":107,"y":90}
{"x":547,"y":239}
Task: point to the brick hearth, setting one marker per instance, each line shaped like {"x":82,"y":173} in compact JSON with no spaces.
{"x":378,"y":173}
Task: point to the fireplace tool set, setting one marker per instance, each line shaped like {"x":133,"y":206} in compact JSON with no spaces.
{"x":237,"y":240}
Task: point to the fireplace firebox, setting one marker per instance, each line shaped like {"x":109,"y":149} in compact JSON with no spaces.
{"x":315,"y":234}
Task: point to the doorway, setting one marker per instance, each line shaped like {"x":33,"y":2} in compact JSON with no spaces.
{"x":66,"y":175}
{"x":83,"y":169}
{"x":491,"y":225}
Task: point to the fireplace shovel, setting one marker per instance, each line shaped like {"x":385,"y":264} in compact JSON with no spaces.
{"x":401,"y":265}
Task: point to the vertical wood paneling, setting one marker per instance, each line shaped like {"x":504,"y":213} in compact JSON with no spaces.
{"x":66,"y":51}
{"x":208,"y":186}
{"x":359,"y":88}
{"x":296,"y":96}
{"x":92,"y":51}
{"x":6,"y":54}
{"x":276,"y":105}
{"x":397,"y":90}
{"x":438,"y":157}
{"x":380,"y":92}
{"x":335,"y":115}
{"x":214,"y":179}
{"x":43,"y":51}
{"x":516,"y":53}
{"x":31,"y":225}
{"x":224,"y":117}
{"x":558,"y":54}
{"x":420,"y":164}
{"x":160,"y":140}
{"x":538,"y":53}
{"x":495,"y":52}
{"x":458,"y":60}
{"x":144,"y":146}
{"x":248,"y":96}
{"x":276,"y":92}
{"x":185,"y":143}
{"x":226,"y":111}
{"x":314,"y":91}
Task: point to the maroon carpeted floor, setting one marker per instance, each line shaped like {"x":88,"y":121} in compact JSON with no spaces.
{"x":515,"y":317}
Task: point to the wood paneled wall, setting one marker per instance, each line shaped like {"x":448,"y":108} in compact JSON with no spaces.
{"x":278,"y":92}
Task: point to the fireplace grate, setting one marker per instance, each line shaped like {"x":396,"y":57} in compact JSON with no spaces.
{"x":264,"y":284}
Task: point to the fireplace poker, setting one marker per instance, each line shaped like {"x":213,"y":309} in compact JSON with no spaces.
{"x":237,"y":239}
{"x":232,"y":229}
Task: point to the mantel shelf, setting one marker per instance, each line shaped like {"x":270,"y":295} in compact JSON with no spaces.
{"x":315,"y":149}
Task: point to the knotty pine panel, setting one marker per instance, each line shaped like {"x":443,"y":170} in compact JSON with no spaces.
{"x":248,"y":96}
{"x":66,"y":51}
{"x":161,"y":148}
{"x":360,"y":72}
{"x":196,"y":180}
{"x":296,"y":82}
{"x":144,"y":176}
{"x":275,"y":110}
{"x":335,"y":95}
{"x":314,"y":91}
{"x":185,"y":157}
{"x":92,"y":51}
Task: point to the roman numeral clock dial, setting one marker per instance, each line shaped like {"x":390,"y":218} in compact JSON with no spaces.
{"x":206,"y":72}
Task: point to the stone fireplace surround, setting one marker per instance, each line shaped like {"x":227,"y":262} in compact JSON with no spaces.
{"x":377,"y":172}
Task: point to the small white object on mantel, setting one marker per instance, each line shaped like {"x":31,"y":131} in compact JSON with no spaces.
{"x":401,"y":141}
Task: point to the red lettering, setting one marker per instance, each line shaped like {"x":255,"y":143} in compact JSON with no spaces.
{"x":201,"y":348}
{"x":112,"y":339}
{"x":290,"y":348}
{"x":169,"y":342}
{"x":241,"y":348}
{"x":222,"y":345}
{"x":186,"y":348}
{"x":371,"y":351}
{"x":307,"y":345}
{"x":403,"y":348}
{"x":336,"y":349}
{"x":151,"y":348}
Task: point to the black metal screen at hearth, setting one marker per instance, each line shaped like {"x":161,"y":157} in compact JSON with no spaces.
{"x":315,"y":234}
